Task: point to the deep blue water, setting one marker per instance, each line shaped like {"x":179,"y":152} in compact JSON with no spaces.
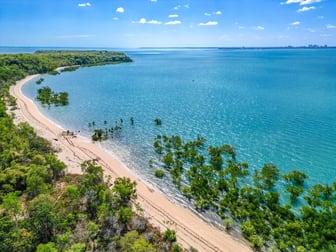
{"x":274,"y":106}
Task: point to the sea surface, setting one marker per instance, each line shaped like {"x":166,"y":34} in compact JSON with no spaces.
{"x":274,"y":105}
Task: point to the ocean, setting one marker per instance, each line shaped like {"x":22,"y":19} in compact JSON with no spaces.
{"x":273,"y":105}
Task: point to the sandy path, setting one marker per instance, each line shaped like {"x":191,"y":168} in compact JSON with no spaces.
{"x":190,"y":229}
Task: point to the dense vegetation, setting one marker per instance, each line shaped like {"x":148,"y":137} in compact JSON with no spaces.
{"x":43,"y":209}
{"x":212,"y":178}
{"x":14,"y":67}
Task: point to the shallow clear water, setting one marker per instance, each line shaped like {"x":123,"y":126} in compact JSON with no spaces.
{"x":273,"y":105}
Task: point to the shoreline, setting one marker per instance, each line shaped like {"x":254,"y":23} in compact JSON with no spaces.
{"x":191,"y":230}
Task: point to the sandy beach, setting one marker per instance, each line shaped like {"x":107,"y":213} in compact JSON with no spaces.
{"x":191,"y":230}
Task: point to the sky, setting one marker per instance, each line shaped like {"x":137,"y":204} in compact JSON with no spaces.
{"x":167,"y":23}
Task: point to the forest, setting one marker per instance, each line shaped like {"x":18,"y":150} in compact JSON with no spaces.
{"x":212,"y":178}
{"x":15,"y":67}
{"x":44,"y":209}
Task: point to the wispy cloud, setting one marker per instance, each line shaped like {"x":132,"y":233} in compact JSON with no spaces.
{"x":173,"y":16}
{"x":153,"y":1}
{"x":155,"y":22}
{"x":210,"y":23}
{"x":301,"y":2}
{"x":115,"y":18}
{"x":310,"y":2}
{"x":187,"y":6}
{"x":120,"y":10}
{"x":304,"y":9}
{"x":84,"y":5}
{"x":330,"y":26}
{"x":175,"y":22}
{"x":296,"y":23}
{"x":213,"y":13}
{"x":259,"y":28}
{"x":145,"y":21}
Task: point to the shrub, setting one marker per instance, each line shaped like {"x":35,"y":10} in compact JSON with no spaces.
{"x":159,"y":173}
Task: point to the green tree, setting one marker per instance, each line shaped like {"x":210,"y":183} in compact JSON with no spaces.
{"x":124,"y":191}
{"x":48,"y":247}
{"x":295,"y":177}
{"x":248,"y":229}
{"x":42,"y":220}
{"x":269,"y":175}
{"x":158,"y":121}
{"x":159,"y":173}
{"x":38,"y":180}
{"x":11,"y":204}
{"x":170,"y":235}
{"x":294,"y":192}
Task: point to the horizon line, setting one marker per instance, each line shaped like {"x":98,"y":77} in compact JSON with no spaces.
{"x":310,"y":46}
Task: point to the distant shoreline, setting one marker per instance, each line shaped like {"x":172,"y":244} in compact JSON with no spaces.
{"x":34,"y":48}
{"x":73,"y":150}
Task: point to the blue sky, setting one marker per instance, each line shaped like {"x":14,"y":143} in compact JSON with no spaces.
{"x":139,"y":23}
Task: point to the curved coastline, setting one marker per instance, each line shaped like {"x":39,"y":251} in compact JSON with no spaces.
{"x":190,"y":229}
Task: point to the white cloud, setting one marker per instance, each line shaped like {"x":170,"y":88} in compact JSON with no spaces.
{"x":296,"y":23}
{"x":301,"y":2}
{"x":290,"y":2}
{"x":155,"y":22}
{"x":116,"y":18}
{"x":210,"y":23}
{"x":175,"y":22}
{"x":84,"y":5}
{"x":304,"y":9}
{"x":153,"y":1}
{"x":330,"y":26}
{"x":213,"y":13}
{"x":177,"y":7}
{"x":173,"y":15}
{"x":186,"y":6}
{"x":310,"y":2}
{"x":144,"y":21}
{"x":259,"y":28}
{"x":120,"y":10}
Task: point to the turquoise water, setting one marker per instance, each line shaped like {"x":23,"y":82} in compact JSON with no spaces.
{"x":274,"y":106}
